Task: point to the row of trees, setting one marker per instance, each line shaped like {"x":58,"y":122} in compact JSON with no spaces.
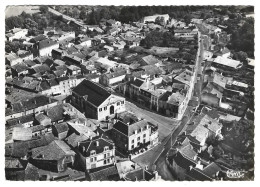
{"x":243,"y":38}
{"x":128,"y":14}
{"x":32,"y":22}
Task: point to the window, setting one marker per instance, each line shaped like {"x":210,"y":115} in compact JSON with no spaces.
{"x":122,"y":102}
{"x":105,"y":161}
{"x":118,"y":103}
{"x":100,"y":109}
{"x":106,"y":148}
{"x":144,"y":135}
{"x":105,"y":108}
{"x":95,"y":158}
{"x":108,"y":154}
{"x":133,"y":146}
{"x":108,"y":161}
{"x":93,"y":152}
{"x":133,"y":141}
{"x":138,"y":139}
{"x":91,"y":159}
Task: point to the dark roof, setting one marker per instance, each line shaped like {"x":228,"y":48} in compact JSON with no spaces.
{"x":137,"y":82}
{"x":21,"y":120}
{"x":183,"y":161}
{"x":46,"y":43}
{"x":41,"y":68}
{"x":61,"y":127}
{"x":129,"y":129}
{"x":31,"y":173}
{"x":56,"y":150}
{"x":37,"y":128}
{"x":29,"y":63}
{"x":197,"y":174}
{"x":106,"y":173}
{"x":96,"y":93}
{"x":115,"y":74}
{"x":165,"y":96}
{"x":55,"y":113}
{"x":38,"y":38}
{"x":20,"y":149}
{"x":93,"y":145}
{"x":136,"y":175}
{"x":73,"y":139}
{"x":20,"y":67}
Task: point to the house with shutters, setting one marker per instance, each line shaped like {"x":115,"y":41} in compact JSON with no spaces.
{"x":95,"y":101}
{"x":96,"y":152}
{"x":133,"y":136}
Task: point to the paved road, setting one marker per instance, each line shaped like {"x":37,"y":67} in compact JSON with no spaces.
{"x":161,"y":165}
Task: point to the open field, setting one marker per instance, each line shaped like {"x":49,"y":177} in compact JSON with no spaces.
{"x":17,"y":10}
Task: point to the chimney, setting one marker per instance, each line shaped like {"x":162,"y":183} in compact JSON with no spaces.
{"x":190,"y":167}
{"x":155,"y":175}
{"x":97,"y":143}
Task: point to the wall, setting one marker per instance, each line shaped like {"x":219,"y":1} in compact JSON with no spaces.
{"x":134,"y":137}
{"x":100,"y":159}
{"x":48,"y":50}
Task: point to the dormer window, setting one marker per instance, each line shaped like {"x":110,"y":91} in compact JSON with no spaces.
{"x":106,"y":148}
{"x":93,"y":152}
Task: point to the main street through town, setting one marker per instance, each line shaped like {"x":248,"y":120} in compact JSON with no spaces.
{"x":169,"y":129}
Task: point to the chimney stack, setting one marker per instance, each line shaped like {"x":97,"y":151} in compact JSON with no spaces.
{"x":97,"y":143}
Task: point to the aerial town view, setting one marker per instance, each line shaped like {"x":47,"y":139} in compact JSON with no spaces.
{"x":129,"y":93}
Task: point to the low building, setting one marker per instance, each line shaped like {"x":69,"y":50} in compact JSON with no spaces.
{"x":56,"y":156}
{"x":60,"y":130}
{"x":96,"y":152}
{"x":95,"y":101}
{"x":153,"y":18}
{"x":106,"y":173}
{"x":16,"y":33}
{"x":110,"y":79}
{"x":228,"y":62}
{"x":12,"y":59}
{"x":133,"y":136}
{"x":45,"y":47}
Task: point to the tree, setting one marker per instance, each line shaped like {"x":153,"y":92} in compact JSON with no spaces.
{"x":43,"y":9}
{"x":241,"y":56}
{"x":160,"y":20}
{"x":82,"y":14}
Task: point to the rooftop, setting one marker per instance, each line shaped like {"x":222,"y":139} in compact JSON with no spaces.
{"x":95,"y":92}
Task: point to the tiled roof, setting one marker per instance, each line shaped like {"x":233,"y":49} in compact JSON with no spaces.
{"x":183,"y":161}
{"x":46,"y":43}
{"x":55,"y":113}
{"x":96,"y":93}
{"x":106,"y":173}
{"x":137,"y":82}
{"x":115,"y":74}
{"x":136,"y":175}
{"x":37,"y":128}
{"x":197,"y":174}
{"x":74,"y":139}
{"x":20,"y":67}
{"x":56,"y":150}
{"x":38,"y":68}
{"x":93,"y":145}
{"x":61,"y":127}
